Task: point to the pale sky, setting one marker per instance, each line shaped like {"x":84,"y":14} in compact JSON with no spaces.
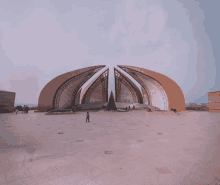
{"x":41,"y":39}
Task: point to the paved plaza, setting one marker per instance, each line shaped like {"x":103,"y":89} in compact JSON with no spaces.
{"x":114,"y":148}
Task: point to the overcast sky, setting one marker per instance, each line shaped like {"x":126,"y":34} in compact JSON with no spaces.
{"x":42,"y":39}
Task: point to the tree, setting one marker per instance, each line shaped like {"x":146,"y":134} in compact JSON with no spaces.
{"x":111,"y":104}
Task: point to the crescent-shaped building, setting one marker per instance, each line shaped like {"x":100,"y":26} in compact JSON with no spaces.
{"x":133,"y":85}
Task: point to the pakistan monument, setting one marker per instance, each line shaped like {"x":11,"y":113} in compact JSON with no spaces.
{"x":155,"y":90}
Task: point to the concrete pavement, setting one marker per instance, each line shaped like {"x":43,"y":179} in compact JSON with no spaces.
{"x":117,"y":148}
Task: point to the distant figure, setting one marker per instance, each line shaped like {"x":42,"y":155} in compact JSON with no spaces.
{"x":126,"y":108}
{"x":133,"y":107}
{"x":23,"y":109}
{"x":16,"y":110}
{"x":73,"y":109}
{"x":26,"y":109}
{"x":129,"y":107}
{"x":87,"y":117}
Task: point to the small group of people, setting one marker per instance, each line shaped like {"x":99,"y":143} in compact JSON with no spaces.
{"x":129,"y":108}
{"x":24,"y":109}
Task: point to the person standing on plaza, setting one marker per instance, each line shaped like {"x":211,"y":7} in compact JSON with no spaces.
{"x":87,"y":117}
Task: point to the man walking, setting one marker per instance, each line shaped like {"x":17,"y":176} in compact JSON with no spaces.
{"x":87,"y":117}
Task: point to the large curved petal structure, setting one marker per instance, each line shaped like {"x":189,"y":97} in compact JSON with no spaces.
{"x":97,"y":90}
{"x":125,"y":90}
{"x":159,"y":90}
{"x":62,"y":91}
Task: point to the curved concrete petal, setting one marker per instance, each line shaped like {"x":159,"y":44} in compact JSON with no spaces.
{"x":174,"y":93}
{"x":126,"y":90}
{"x":57,"y":89}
